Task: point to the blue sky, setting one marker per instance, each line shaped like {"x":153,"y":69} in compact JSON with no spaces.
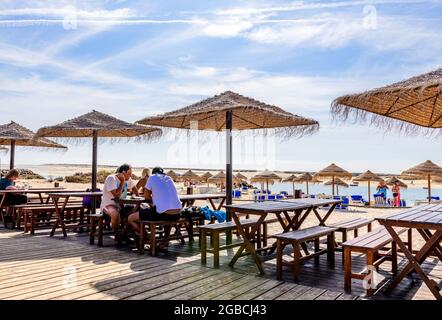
{"x":131,"y":59}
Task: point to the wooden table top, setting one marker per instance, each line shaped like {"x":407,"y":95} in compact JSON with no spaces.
{"x":76,"y":194}
{"x":313,"y":201}
{"x":426,"y":216}
{"x":33,"y":190}
{"x":202,"y":196}
{"x":268,"y":206}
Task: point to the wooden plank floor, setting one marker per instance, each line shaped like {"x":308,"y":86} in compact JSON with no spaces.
{"x":39,"y":267}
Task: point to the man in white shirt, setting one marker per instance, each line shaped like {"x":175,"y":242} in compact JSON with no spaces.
{"x":161,"y":194}
{"x":116,"y":185}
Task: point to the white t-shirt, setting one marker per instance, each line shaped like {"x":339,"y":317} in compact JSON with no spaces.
{"x":164,"y":194}
{"x":110,"y":184}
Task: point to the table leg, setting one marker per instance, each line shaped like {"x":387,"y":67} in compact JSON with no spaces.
{"x":59,"y":213}
{"x":247,"y":243}
{"x":327,"y":215}
{"x":221,"y":204}
{"x":414,"y":261}
{"x":426,"y":235}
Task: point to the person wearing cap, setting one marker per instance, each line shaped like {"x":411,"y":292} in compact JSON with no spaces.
{"x":164,"y":202}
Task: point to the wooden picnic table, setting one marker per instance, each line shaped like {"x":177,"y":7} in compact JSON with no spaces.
{"x":427,"y":220}
{"x":186,"y":200}
{"x":59,"y":210}
{"x":38,"y":191}
{"x":300,"y":207}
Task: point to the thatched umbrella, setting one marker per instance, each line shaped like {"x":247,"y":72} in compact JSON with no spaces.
{"x":220,"y":178}
{"x":291,"y":178}
{"x":191,"y":176}
{"x":410,"y":105}
{"x":240,"y":176}
{"x":206,"y":176}
{"x":425,"y":170}
{"x":231,"y":111}
{"x":368,"y":176}
{"x":336,"y":182}
{"x":97,"y":125}
{"x":391,"y":181}
{"x":175,"y":176}
{"x":14,"y":135}
{"x":266,"y":176}
{"x":306,"y":177}
{"x":333,"y":171}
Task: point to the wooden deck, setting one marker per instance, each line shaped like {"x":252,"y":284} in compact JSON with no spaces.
{"x":39,"y":267}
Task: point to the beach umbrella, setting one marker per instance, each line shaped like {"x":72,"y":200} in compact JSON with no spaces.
{"x":391,"y":181}
{"x":13,"y":134}
{"x":410,"y":105}
{"x":425,"y":170}
{"x":306,"y":177}
{"x":266,"y":176}
{"x":206,"y":176}
{"x":336,"y":182}
{"x":240,"y":176}
{"x":173,"y":175}
{"x":191,"y":176}
{"x":368,"y":176}
{"x":221,"y":177}
{"x":292,"y":178}
{"x":333,"y":171}
{"x":233,"y":112}
{"x":97,"y":125}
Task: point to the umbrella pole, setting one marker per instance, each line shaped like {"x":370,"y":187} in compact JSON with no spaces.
{"x":267,"y":191}
{"x":369,"y":192}
{"x":293,"y":183}
{"x":229,"y":172}
{"x":429,"y":189}
{"x":333,"y":185}
{"x":337,"y":189}
{"x":94,"y":168}
{"x":306,"y":184}
{"x":12,"y":155}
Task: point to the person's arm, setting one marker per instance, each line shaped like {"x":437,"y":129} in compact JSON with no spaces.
{"x":117,"y":192}
{"x":135,"y":190}
{"x":148,"y":196}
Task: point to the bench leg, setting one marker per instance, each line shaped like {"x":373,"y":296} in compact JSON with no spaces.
{"x":264,"y":234}
{"x":410,"y":240}
{"x":32,"y":216}
{"x":92,"y":230}
{"x":153,"y":243}
{"x":25,"y":221}
{"x":316,"y":250}
{"x":203,"y":246}
{"x":355,"y":231}
{"x":331,"y":249}
{"x":394,"y":258}
{"x":278,"y":259}
{"x":369,"y":227}
{"x":344,"y":238}
{"x":216,"y":249}
{"x":100,"y":231}
{"x":347,"y":269}
{"x":141,"y":244}
{"x":370,"y":262}
{"x":296,"y":261}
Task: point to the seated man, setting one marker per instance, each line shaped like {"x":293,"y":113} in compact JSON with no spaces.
{"x":7,"y":183}
{"x":164,"y":202}
{"x":116,"y":185}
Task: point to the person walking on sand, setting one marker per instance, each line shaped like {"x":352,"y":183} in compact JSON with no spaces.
{"x":396,"y":189}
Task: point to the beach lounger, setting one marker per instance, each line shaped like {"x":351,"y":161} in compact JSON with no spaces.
{"x":357,"y":199}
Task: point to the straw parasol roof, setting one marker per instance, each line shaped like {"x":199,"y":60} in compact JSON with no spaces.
{"x":425,"y":170}
{"x":173,"y":175}
{"x":368,"y":176}
{"x":333,"y":171}
{"x":190,"y":175}
{"x":220,"y":177}
{"x":407,"y":105}
{"x":247,"y":114}
{"x":240,"y":176}
{"x":206,"y":176}
{"x":14,"y":135}
{"x":265,"y":176}
{"x":105,"y":125}
{"x":337,"y":182}
{"x":94,"y":125}
{"x":393,"y":180}
{"x":234,"y":112}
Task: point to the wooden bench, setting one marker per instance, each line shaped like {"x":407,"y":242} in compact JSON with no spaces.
{"x":296,"y":239}
{"x":344,"y":227}
{"x":214,"y":230}
{"x":369,"y":244}
{"x":155,"y":235}
{"x":44,"y":213}
{"x":101,"y":221}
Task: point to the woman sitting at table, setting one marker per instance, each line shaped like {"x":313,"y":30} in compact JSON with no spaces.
{"x":115,"y":186}
{"x":142,"y":182}
{"x":7,"y":183}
